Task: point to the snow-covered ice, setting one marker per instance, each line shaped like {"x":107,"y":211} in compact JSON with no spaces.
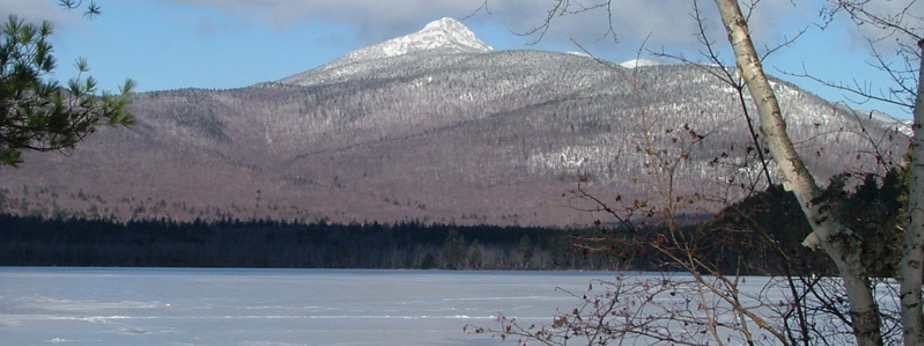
{"x":123,"y":306}
{"x":147,"y":306}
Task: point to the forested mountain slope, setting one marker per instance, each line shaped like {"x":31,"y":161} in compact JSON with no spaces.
{"x":437,"y":127}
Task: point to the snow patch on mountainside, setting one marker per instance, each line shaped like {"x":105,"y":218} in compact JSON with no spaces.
{"x":581,"y":54}
{"x":640,"y":63}
{"x":903,"y":126}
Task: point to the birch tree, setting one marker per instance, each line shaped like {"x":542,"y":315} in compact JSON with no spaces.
{"x":913,"y":248}
{"x":838,"y":242}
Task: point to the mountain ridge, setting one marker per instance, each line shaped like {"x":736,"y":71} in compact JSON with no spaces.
{"x":432,"y":135}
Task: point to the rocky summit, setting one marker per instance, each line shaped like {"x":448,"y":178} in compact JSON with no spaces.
{"x":438,"y":127}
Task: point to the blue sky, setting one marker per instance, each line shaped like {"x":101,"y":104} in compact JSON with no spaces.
{"x":172,"y":44}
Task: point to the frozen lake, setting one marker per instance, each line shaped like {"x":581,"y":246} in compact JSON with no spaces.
{"x":147,"y":306}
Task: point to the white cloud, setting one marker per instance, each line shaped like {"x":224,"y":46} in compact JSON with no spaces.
{"x":36,"y":11}
{"x":372,"y":20}
{"x":906,"y":13}
{"x":667,"y":22}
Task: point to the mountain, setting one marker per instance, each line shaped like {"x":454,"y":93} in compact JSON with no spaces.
{"x":436,"y":127}
{"x":441,"y":37}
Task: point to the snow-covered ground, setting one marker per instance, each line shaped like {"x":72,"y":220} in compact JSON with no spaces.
{"x":142,"y":306}
{"x":93,"y":306}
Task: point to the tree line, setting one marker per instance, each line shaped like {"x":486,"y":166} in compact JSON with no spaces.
{"x":35,"y":241}
{"x":760,"y":235}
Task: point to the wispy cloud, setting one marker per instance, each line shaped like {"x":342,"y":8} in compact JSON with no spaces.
{"x":38,"y":10}
{"x":665,"y":22}
{"x":908,"y":14}
{"x":372,"y":20}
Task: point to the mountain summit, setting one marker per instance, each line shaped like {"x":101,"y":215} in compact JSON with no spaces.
{"x":447,"y":33}
{"x":446,"y":36}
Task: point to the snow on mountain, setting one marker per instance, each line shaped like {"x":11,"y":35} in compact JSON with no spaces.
{"x":433,"y":126}
{"x":446,"y":33}
{"x":640,"y":63}
{"x":581,"y":54}
{"x":900,"y":125}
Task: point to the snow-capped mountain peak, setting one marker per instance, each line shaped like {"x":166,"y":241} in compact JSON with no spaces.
{"x":446,"y":33}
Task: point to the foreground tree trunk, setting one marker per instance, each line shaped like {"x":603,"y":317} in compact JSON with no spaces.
{"x":838,"y":242}
{"x":913,"y":248}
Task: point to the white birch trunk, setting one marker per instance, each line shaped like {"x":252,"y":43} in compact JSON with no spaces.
{"x":842,"y":248}
{"x":913,"y":248}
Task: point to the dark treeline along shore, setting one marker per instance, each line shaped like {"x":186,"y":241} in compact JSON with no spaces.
{"x":759,"y":235}
{"x":260,"y":243}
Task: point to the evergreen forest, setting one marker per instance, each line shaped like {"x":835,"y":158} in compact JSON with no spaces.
{"x":760,"y":235}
